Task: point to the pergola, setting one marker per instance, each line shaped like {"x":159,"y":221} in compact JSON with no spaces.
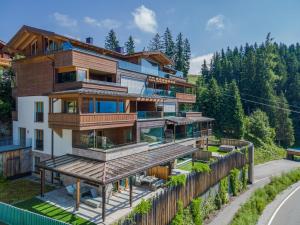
{"x":105,"y":172}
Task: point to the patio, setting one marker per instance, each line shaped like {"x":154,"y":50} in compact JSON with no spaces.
{"x":116,"y":208}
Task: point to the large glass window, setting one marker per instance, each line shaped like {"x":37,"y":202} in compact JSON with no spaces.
{"x":152,"y":135}
{"x":121,"y":107}
{"x":70,"y":107}
{"x":108,"y":106}
{"x":66,"y":77}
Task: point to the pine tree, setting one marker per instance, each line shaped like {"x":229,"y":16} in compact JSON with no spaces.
{"x":205,"y":72}
{"x":284,"y":126}
{"x":179,"y":53}
{"x":129,"y":45}
{"x":111,"y":41}
{"x":156,"y":43}
{"x":232,"y":121}
{"x":169,"y":47}
{"x":186,"y":57}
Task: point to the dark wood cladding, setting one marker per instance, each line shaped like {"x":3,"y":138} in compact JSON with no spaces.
{"x":74,"y":58}
{"x":83,"y":84}
{"x":188,"y":98}
{"x":34,"y":77}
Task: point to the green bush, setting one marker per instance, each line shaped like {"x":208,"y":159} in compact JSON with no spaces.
{"x":218,"y":201}
{"x":201,"y":168}
{"x":208,"y":206}
{"x":143,"y":207}
{"x":176,"y":180}
{"x":187,"y":217}
{"x":244,"y":177}
{"x":178,"y":219}
{"x":223,"y":190}
{"x":234,"y":181}
{"x":195,"y":210}
{"x":249,"y":213}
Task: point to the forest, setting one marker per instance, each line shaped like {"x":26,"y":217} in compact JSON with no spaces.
{"x":253,"y":92}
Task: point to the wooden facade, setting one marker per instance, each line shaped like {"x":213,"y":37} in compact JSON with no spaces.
{"x":187,"y":98}
{"x":15,"y":162}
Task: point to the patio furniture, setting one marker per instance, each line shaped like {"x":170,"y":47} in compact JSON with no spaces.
{"x":226,"y":148}
{"x":157,"y":184}
{"x":138,"y":180}
{"x":147,"y":181}
{"x":71,"y":190}
{"x":94,"y":199}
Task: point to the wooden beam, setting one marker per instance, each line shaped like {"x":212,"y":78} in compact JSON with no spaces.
{"x":24,"y":36}
{"x":42,"y":173}
{"x":130,"y":191}
{"x":24,"y":45}
{"x":103,"y":202}
{"x":77,"y":194}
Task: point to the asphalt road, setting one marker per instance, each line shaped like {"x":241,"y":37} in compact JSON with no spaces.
{"x":289,"y":212}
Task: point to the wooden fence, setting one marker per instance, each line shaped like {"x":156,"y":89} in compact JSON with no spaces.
{"x":159,"y":171}
{"x":164,"y":205}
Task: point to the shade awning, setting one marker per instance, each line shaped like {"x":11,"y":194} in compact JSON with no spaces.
{"x":105,"y":172}
{"x":187,"y":120}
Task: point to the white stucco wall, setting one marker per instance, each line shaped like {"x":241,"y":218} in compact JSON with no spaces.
{"x":26,"y":119}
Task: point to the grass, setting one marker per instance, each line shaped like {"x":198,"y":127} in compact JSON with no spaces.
{"x":43,"y":208}
{"x":188,"y":166}
{"x":268,"y":152}
{"x":192,"y":78}
{"x":13,"y":191}
{"x":249,"y":213}
{"x":216,"y":149}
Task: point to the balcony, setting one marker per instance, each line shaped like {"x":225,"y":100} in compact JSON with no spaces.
{"x":158,"y":92}
{"x":184,"y":97}
{"x":91,"y":84}
{"x":149,"y":114}
{"x":90,"y":120}
{"x":5,"y":62}
{"x":146,"y":70}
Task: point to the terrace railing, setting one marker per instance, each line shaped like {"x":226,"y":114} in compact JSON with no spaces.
{"x":149,"y":114}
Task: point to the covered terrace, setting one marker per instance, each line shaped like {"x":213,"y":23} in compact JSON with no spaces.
{"x":103,"y":173}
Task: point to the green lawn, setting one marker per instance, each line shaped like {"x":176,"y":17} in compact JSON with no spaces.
{"x":38,"y":206}
{"x":13,"y":191}
{"x":216,"y":149}
{"x":187,"y":166}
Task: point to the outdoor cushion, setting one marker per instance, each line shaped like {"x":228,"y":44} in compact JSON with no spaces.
{"x":70,"y":189}
{"x":94,"y":193}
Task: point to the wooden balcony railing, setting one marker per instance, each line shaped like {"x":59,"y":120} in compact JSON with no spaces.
{"x":90,"y":121}
{"x":188,"y":98}
{"x":5,"y":62}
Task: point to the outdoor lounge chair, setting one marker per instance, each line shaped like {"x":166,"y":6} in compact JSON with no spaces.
{"x":95,"y":199}
{"x":71,"y":189}
{"x":157,"y":184}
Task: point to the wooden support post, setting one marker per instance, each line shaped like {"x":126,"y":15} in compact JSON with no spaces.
{"x":207,"y":143}
{"x":170,"y":168}
{"x":103,"y":202}
{"x":130,"y":191}
{"x":42,"y":173}
{"x":251,"y":164}
{"x":77,"y":194}
{"x":95,"y":139}
{"x":174,"y":132}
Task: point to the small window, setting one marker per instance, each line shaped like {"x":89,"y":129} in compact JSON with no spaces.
{"x":39,"y":112}
{"x":39,"y":139}
{"x":70,"y":107}
{"x":121,"y":107}
{"x":81,"y":75}
{"x":34,"y":48}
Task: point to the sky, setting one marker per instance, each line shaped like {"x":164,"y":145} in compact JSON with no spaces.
{"x":209,"y":25}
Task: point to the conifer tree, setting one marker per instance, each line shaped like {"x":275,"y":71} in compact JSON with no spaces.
{"x":169,"y":47}
{"x":156,"y":43}
{"x":111,"y":41}
{"x":129,"y":45}
{"x":186,"y":57}
{"x":179,"y":53}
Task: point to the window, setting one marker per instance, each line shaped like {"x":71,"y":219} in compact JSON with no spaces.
{"x":152,"y":135}
{"x":121,"y":107}
{"x":66,"y":77}
{"x":36,"y":161}
{"x":34,"y":48}
{"x":70,"y":107}
{"x":39,"y":140}
{"x":81,"y":75}
{"x":108,"y":106}
{"x":39,"y":111}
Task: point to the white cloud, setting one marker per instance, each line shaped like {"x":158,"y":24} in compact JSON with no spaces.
{"x":216,"y":23}
{"x":145,"y":19}
{"x":197,"y":61}
{"x":106,"y":23}
{"x":64,"y":20}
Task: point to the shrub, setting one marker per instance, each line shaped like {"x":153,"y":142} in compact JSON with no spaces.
{"x":234,"y":181}
{"x":244,"y":177}
{"x":208,"y":206}
{"x":201,"y":168}
{"x":143,"y":207}
{"x":218,"y":201}
{"x":178,"y":219}
{"x":176,"y":180}
{"x":223,"y":190}
{"x":249,"y":213}
{"x":196,"y":213}
{"x":187,"y":217}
